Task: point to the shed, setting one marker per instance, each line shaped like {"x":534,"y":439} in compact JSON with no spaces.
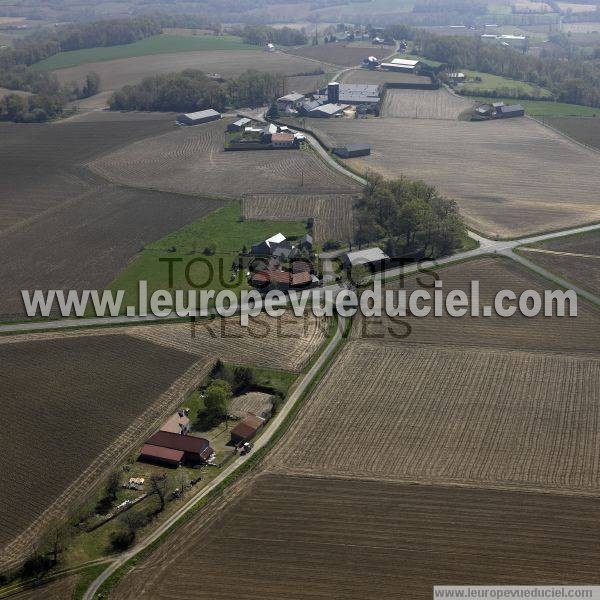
{"x":352,"y":150}
{"x":514,"y":110}
{"x":195,"y":449}
{"x":202,"y":116}
{"x":283,"y":140}
{"x":372,"y":258}
{"x":246,"y":429}
{"x":158,"y":454}
{"x":239,"y":124}
{"x":327,"y":110}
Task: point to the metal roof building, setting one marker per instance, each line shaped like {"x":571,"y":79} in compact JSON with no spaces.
{"x":352,"y":150}
{"x":327,"y":110}
{"x":202,"y":116}
{"x":239,"y":124}
{"x":368,"y":256}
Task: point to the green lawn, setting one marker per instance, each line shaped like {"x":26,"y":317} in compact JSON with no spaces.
{"x":224,"y":230}
{"x":541,"y":108}
{"x":496,"y":82}
{"x":158,"y":44}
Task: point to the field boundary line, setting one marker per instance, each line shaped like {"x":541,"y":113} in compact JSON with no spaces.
{"x":557,"y":253}
{"x":564,"y":135}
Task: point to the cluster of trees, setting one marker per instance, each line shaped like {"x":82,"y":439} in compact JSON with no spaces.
{"x":47,"y":103}
{"x":576,"y":81}
{"x":409,"y":216}
{"x":261,"y":34}
{"x":192,"y":90}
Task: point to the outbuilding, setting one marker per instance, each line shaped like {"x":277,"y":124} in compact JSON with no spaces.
{"x":371,"y":258}
{"x":352,"y":150}
{"x":239,"y":124}
{"x":328,"y":110}
{"x":246,"y":429}
{"x":514,"y":110}
{"x":196,"y":118}
{"x":194,"y":450}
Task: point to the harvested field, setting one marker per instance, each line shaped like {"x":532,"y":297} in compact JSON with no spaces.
{"x":369,"y":539}
{"x":189,"y":159}
{"x":85,"y":242}
{"x":60,"y":589}
{"x":332,"y":213}
{"x":305,"y":84}
{"x":423,"y":104}
{"x":574,"y":335}
{"x":91,"y":399}
{"x":345,"y":55}
{"x":528,"y":194}
{"x":380,"y":77}
{"x":576,"y":258}
{"x":583,"y":129}
{"x":285,"y":343}
{"x":115,"y":74}
{"x":484,"y":418}
{"x":256,"y":403}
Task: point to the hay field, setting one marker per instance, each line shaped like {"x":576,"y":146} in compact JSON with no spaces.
{"x":190,"y":159}
{"x":256,"y":403}
{"x":575,"y":258}
{"x":569,"y":335}
{"x":345,"y":55}
{"x":380,"y":77}
{"x":285,"y":343}
{"x":485,"y":418}
{"x":508,"y":177}
{"x":115,"y":74}
{"x":332,"y":213}
{"x":368,"y":539}
{"x":79,"y":402}
{"x":423,"y":104}
{"x":583,"y":129}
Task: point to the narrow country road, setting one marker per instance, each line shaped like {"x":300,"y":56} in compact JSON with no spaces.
{"x":274,"y":424}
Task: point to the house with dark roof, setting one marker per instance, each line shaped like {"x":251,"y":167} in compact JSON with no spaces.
{"x":246,"y":429}
{"x":174,"y":448}
{"x":513,"y":110}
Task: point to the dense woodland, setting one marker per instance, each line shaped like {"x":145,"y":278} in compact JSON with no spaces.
{"x":262,"y":34}
{"x":192,"y":90}
{"x":412,"y":218}
{"x":576,"y":81}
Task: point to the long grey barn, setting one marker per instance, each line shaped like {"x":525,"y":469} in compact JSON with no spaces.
{"x":202,"y":116}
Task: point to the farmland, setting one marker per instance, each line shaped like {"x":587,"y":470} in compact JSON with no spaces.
{"x":423,"y":104}
{"x":64,"y":227}
{"x":543,"y":108}
{"x":332,"y":213}
{"x":158,"y":44}
{"x":584,"y":130}
{"x":576,"y":258}
{"x":193,"y":158}
{"x":92,"y":397}
{"x":346,"y":55}
{"x":379,"y":77}
{"x":496,"y":82}
{"x":462,"y":159}
{"x":369,"y":539}
{"x":116,"y":73}
{"x":449,"y":424}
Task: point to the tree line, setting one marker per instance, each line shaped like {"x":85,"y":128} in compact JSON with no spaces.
{"x":193,"y":90}
{"x":411,"y":218}
{"x":260,"y":35}
{"x":575,"y":81}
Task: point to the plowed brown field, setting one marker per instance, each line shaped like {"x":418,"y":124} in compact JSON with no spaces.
{"x":332,"y":213}
{"x":191,"y":159}
{"x":508,"y":177}
{"x":423,"y":104}
{"x":317,"y":538}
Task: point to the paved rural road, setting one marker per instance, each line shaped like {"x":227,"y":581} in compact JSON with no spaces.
{"x":274,"y":424}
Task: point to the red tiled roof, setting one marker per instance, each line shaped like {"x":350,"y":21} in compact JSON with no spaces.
{"x":176,"y":441}
{"x":248,"y":427}
{"x":160,"y":453}
{"x":301,"y":278}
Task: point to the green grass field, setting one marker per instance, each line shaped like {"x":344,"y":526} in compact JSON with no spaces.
{"x":158,"y":44}
{"x":496,"y":82}
{"x":224,"y":230}
{"x":542,"y":108}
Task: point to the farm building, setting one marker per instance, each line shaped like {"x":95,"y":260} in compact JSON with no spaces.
{"x":401,"y":64}
{"x":283,"y":140}
{"x":177,"y":423}
{"x":514,"y":41}
{"x":196,"y":118}
{"x":239,"y":125}
{"x":268,"y":246}
{"x":290,"y":101}
{"x":325,"y":111}
{"x":456,"y":77}
{"x":246,"y":429}
{"x":372,"y":258}
{"x":514,"y":110}
{"x":352,"y":150}
{"x":174,"y":448}
{"x":353,"y":93}
{"x":282,"y":280}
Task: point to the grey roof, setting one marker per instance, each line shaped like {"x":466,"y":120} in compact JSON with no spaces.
{"x":311,"y":104}
{"x":512,"y":108}
{"x":368,"y":255}
{"x":202,"y":114}
{"x":359,"y":92}
{"x":291,"y":97}
{"x":242,"y":122}
{"x":306,"y":238}
{"x":330,"y":109}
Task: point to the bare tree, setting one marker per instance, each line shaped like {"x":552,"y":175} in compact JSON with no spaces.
{"x":113,"y":484}
{"x":159,"y":486}
{"x":55,"y":539}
